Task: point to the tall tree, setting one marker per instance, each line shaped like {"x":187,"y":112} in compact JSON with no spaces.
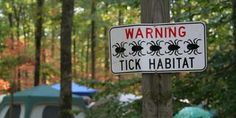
{"x":106,"y":50}
{"x":156,"y":88}
{"x":87,"y":55}
{"x":66,"y":66}
{"x":234,"y":21}
{"x":232,"y":80}
{"x":93,"y":39}
{"x":38,"y":37}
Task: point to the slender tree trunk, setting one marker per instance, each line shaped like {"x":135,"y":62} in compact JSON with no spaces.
{"x":17,"y":17}
{"x":234,"y":21}
{"x":120,"y":22}
{"x":120,"y":17}
{"x":93,"y":40}
{"x":53,"y":31}
{"x":156,"y":88}
{"x":53,"y":44}
{"x":87,"y":56}
{"x":74,"y":57}
{"x":44,"y":77}
{"x":18,"y":87}
{"x":10,"y":19}
{"x":66,"y":66}
{"x":106,"y":52}
{"x":11,"y":28}
{"x":38,"y":37}
{"x":11,"y":102}
{"x":82,"y":61}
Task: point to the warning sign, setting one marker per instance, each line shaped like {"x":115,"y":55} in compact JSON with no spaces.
{"x":158,"y":48}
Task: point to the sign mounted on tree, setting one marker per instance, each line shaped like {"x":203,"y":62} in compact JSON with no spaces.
{"x":158,"y":48}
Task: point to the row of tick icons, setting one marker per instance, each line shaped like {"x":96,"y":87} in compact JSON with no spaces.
{"x":155,"y":48}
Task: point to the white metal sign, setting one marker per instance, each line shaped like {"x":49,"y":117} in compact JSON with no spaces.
{"x":158,"y":48}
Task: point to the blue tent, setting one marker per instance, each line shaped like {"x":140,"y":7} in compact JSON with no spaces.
{"x":78,"y":89}
{"x":36,"y":96}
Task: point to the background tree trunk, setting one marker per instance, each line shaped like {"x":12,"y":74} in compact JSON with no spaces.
{"x":38,"y":37}
{"x":93,"y":40}
{"x":87,"y":56}
{"x":106,"y":50}
{"x":156,"y":88}
{"x":66,"y":67}
{"x":74,"y":57}
{"x":10,"y":20}
{"x":234,"y":21}
{"x":53,"y":44}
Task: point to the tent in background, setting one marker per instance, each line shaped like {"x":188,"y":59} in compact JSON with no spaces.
{"x":193,"y":112}
{"x":31,"y":103}
{"x":78,"y":89}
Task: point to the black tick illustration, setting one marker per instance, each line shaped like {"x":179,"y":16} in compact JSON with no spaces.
{"x":173,"y":47}
{"x":192,"y":46}
{"x":119,"y":49}
{"x":155,"y":47}
{"x":136,"y":48}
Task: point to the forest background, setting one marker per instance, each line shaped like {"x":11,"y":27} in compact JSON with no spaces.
{"x":215,"y":87}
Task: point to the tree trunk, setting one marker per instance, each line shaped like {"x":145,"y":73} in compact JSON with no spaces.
{"x":93,"y":40}
{"x":120,"y":16}
{"x":53,"y":44}
{"x":18,"y":20}
{"x":106,"y":50}
{"x":44,"y":77}
{"x":87,"y":56}
{"x":66,"y":66}
{"x":18,"y":86}
{"x":156,"y":88}
{"x":82,"y":61}
{"x":234,"y":21}
{"x":38,"y":37}
{"x":120,"y":22}
{"x":74,"y":57}
{"x":11,"y":28}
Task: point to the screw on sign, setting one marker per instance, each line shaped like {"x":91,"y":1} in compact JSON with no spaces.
{"x":161,"y":48}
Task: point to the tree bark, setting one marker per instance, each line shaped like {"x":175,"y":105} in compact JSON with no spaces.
{"x":93,"y":40}
{"x":120,"y":22}
{"x":53,"y":44}
{"x":106,"y":51}
{"x":18,"y":86}
{"x":18,"y":20}
{"x":82,"y":62}
{"x":87,"y":56}
{"x":156,"y":88}
{"x":10,"y":19}
{"x":11,"y":28}
{"x":120,"y":17}
{"x":38,"y":37}
{"x":44,"y":77}
{"x":74,"y":57}
{"x":66,"y":66}
{"x":234,"y":21}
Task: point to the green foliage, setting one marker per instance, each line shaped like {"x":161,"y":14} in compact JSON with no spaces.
{"x":110,"y":106}
{"x":215,"y":87}
{"x":115,"y":109}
